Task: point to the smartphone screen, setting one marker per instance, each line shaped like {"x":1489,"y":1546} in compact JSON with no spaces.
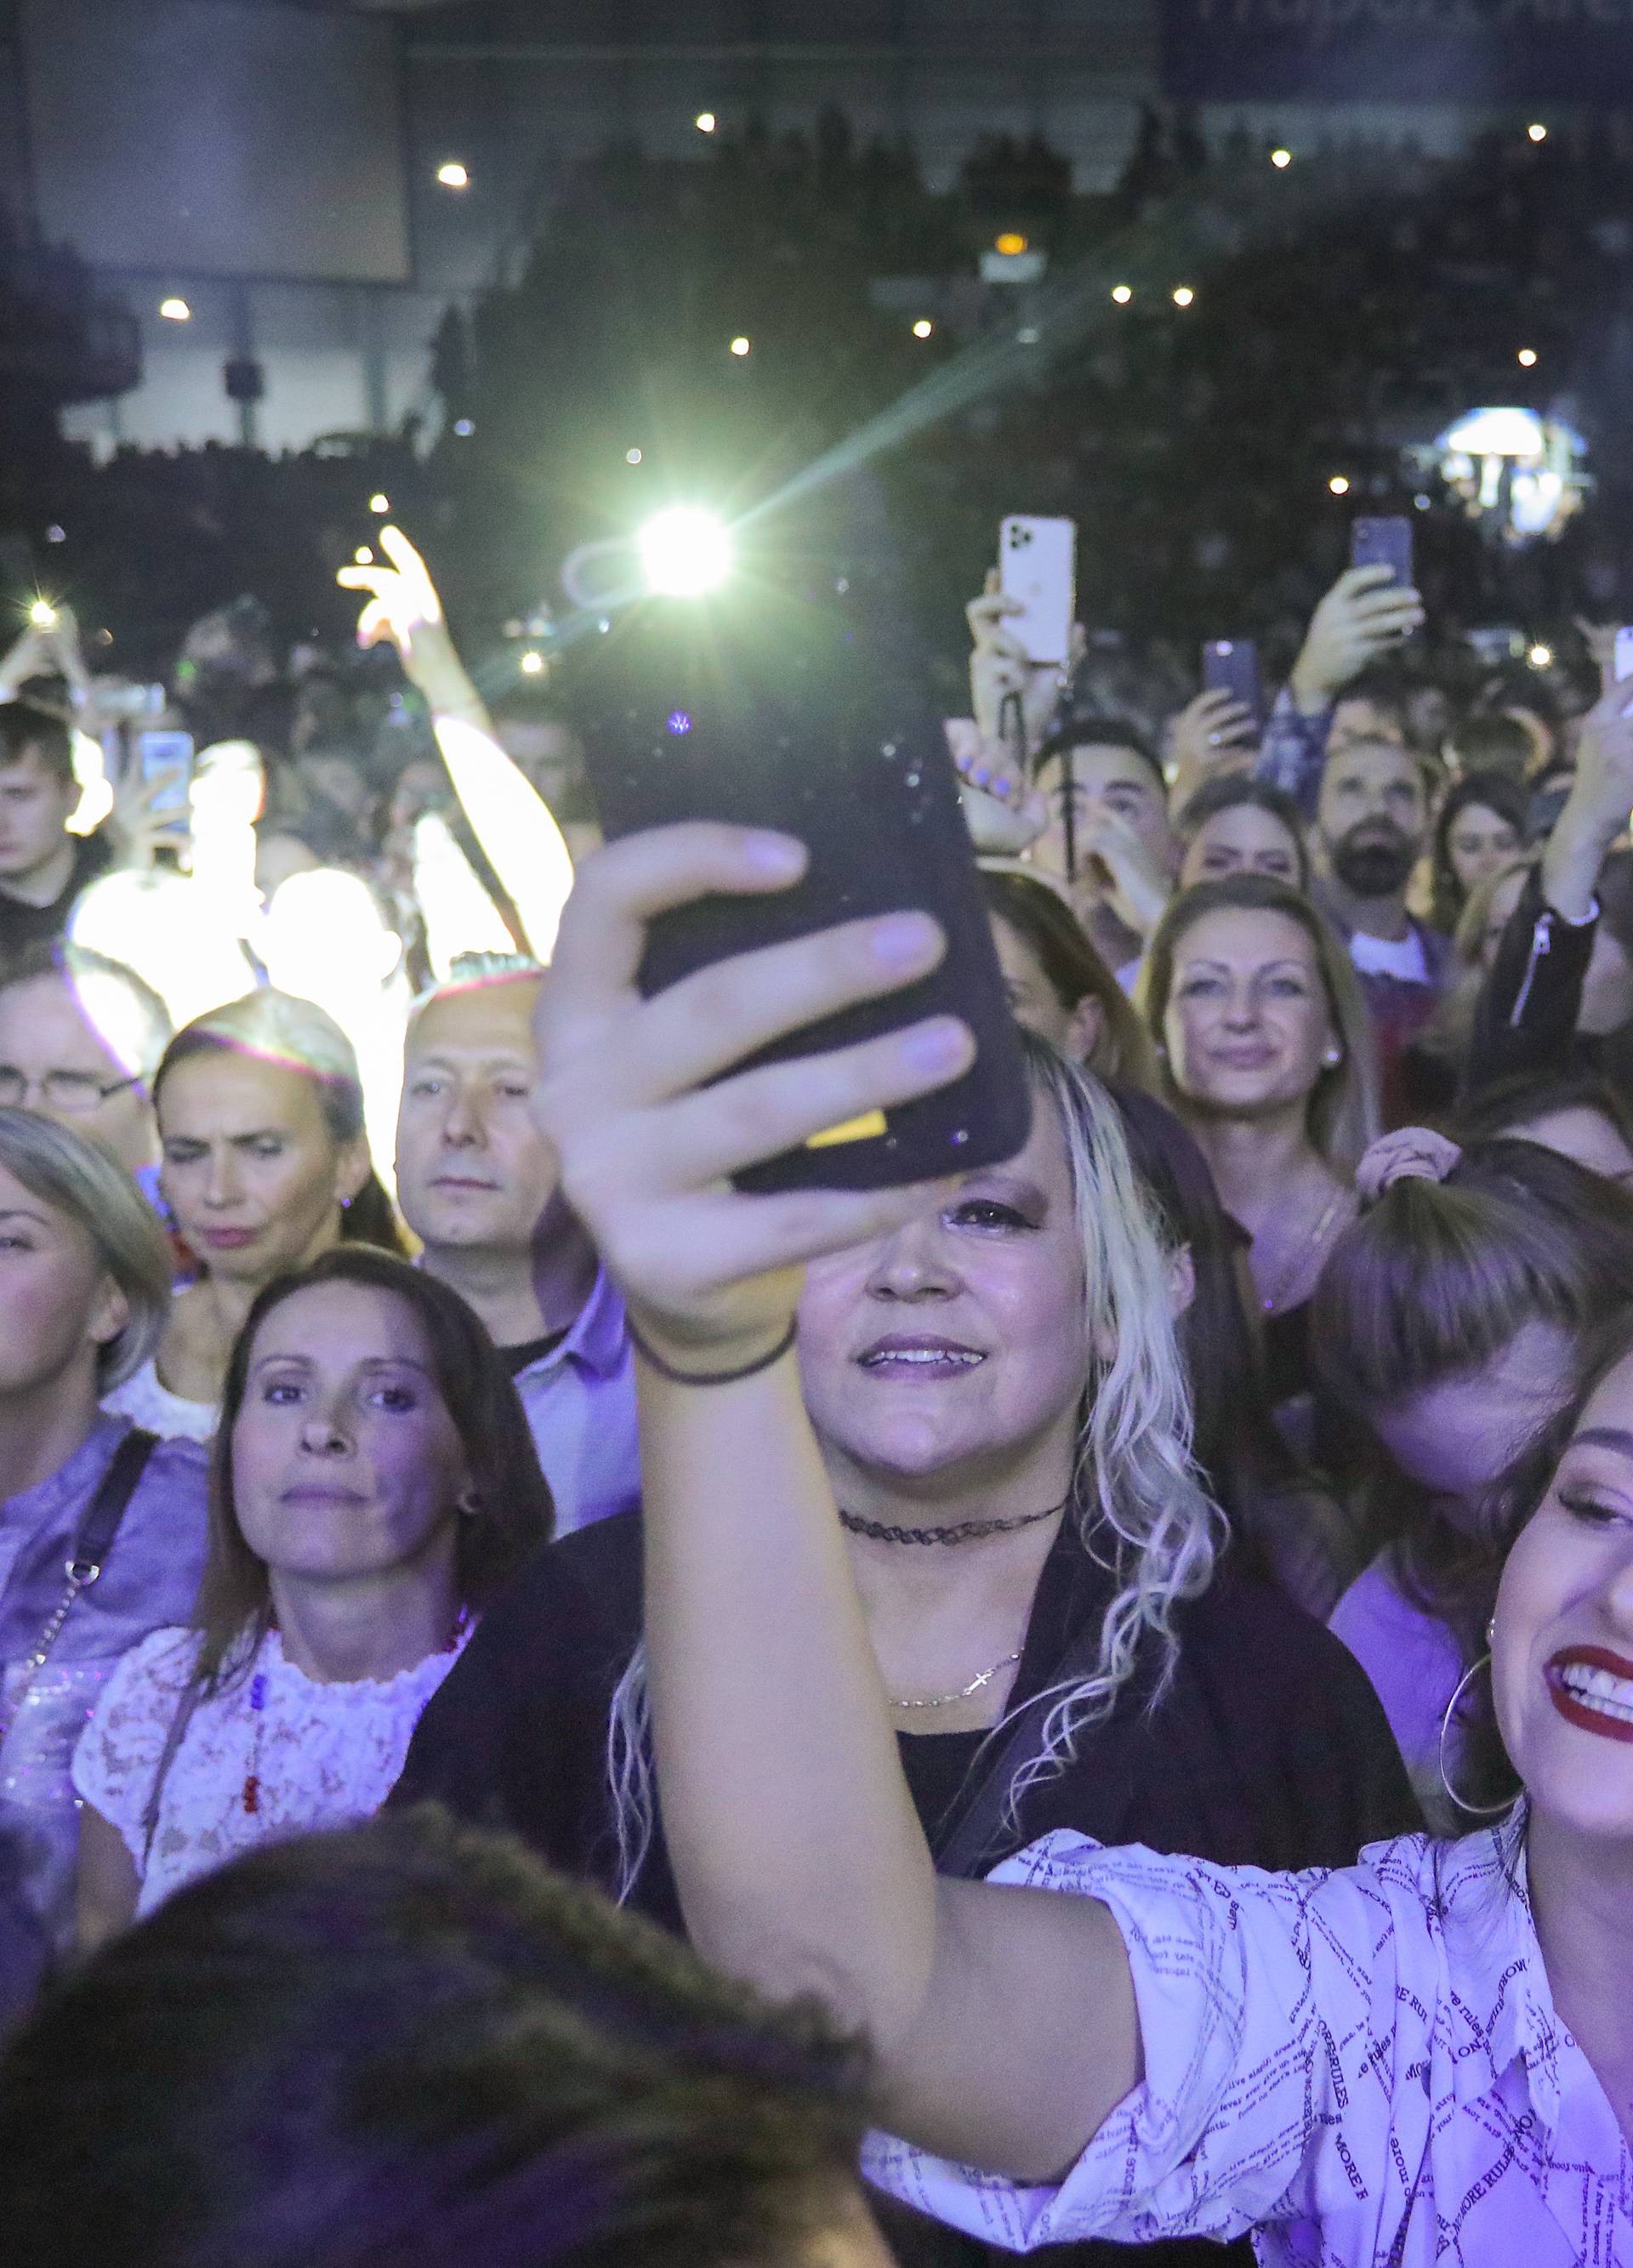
{"x":1622,"y":664}
{"x":159,"y":752}
{"x":797,"y":698}
{"x":1385,"y":542}
{"x":1231,"y":666}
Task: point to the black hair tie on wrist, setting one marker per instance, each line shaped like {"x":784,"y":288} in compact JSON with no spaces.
{"x":714,"y":1377}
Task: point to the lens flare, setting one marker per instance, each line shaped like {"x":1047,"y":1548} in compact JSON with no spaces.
{"x":684,"y":551}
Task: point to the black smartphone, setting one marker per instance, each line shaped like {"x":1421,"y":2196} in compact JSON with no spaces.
{"x":795,"y":697}
{"x":1385,"y":542}
{"x":1231,"y":666}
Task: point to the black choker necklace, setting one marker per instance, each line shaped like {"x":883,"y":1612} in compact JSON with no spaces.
{"x":974,"y":1531}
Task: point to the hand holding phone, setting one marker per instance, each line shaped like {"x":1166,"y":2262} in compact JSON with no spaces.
{"x":1383,"y":543}
{"x":797,"y":703}
{"x":1231,"y":666}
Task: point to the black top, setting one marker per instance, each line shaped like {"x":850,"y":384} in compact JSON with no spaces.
{"x":1269,"y":1748}
{"x":518,"y":1358}
{"x":23,"y":925}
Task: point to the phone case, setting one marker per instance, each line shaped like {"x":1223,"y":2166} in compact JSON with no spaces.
{"x":1038,"y":565}
{"x":805,"y":710}
{"x":1623,"y":662}
{"x":1385,"y":542}
{"x":1231,"y":666}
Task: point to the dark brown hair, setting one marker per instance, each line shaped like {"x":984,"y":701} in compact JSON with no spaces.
{"x":1489,"y":791}
{"x":27,"y":729}
{"x":513,"y":1512}
{"x":409,"y":2043}
{"x":1067,"y":954}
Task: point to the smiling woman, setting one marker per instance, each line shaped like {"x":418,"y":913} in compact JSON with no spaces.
{"x":375,"y":1485}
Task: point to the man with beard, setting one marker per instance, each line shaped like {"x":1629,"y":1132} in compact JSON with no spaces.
{"x":1371,"y":827}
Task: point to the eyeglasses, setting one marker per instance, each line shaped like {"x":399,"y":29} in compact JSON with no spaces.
{"x":77,"y":1094}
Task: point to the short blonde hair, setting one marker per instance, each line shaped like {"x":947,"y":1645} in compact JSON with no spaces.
{"x":80,"y":1180}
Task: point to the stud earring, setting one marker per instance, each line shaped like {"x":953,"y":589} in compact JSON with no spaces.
{"x":1331,"y":1057}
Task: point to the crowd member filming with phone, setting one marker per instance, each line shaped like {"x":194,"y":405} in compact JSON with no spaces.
{"x":1433,"y":2042}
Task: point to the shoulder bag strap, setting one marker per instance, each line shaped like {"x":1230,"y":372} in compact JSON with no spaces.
{"x":93,"y":1537}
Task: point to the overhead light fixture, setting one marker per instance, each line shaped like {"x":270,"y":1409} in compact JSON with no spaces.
{"x":453,"y":175}
{"x":923,"y":328}
{"x":532,"y":663}
{"x":175,"y":311}
{"x":1122,"y":293}
{"x":1526,"y":357}
{"x":1183,"y":295}
{"x":1536,"y":133}
{"x":379,"y":504}
{"x":705,"y":122}
{"x":1281,"y":159}
{"x":741,"y":346}
{"x":1338,"y":485}
{"x":1541,"y":656}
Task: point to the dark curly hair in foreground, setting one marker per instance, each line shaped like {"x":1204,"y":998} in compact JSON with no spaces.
{"x":407,"y":2043}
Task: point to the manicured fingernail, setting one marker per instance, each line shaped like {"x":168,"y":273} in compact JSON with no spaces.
{"x":942,"y":1044}
{"x":774,"y":854}
{"x":902,"y":940}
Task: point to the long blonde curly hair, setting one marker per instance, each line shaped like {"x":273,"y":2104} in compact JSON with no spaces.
{"x":1138,"y":1501}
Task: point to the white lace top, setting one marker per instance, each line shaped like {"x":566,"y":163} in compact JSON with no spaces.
{"x":146,"y":1401}
{"x":309,"y":1755}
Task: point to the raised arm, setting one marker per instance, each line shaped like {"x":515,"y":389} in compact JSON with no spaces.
{"x":509,"y":817}
{"x":1364,"y":615}
{"x":1526,"y":1017}
{"x":1003,"y":2018}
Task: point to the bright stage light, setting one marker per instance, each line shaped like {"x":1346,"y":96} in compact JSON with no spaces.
{"x":175,"y":311}
{"x":1541,"y":656}
{"x":1281,"y":159}
{"x":379,"y":504}
{"x":923,"y":328}
{"x":1538,"y":133}
{"x":1010,"y":243}
{"x":1338,"y":485}
{"x":362,"y":556}
{"x":1526,"y":357}
{"x":42,"y":614}
{"x":684,"y":551}
{"x":1183,"y":295}
{"x":739,"y":346}
{"x":632,"y":456}
{"x":454,"y":175}
{"x":705,"y":122}
{"x":1121,"y":293}
{"x":532,"y":665}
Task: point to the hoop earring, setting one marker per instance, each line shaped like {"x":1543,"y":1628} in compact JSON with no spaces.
{"x":1474,"y":1810}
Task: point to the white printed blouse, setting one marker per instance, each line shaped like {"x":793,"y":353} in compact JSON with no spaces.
{"x":1363,"y":2067}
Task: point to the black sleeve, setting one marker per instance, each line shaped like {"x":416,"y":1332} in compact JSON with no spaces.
{"x":1525,"y":1016}
{"x":1309,"y":1741}
{"x":515,"y":1737}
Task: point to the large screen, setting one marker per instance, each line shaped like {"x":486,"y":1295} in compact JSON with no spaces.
{"x":213,"y":137}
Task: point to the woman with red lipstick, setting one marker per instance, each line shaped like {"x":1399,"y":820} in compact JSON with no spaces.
{"x":1426,"y":2055}
{"x":265,"y":1164}
{"x":1268,"y":1052}
{"x":374,"y":1484}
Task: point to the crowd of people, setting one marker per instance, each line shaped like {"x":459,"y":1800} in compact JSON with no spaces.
{"x":1102,"y":1653}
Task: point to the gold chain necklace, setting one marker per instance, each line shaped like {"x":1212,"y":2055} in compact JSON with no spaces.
{"x":965,"y":1693}
{"x":1289,"y":1273}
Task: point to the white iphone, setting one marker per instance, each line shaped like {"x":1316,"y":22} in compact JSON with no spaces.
{"x":1623,"y":664}
{"x":1038,"y":565}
